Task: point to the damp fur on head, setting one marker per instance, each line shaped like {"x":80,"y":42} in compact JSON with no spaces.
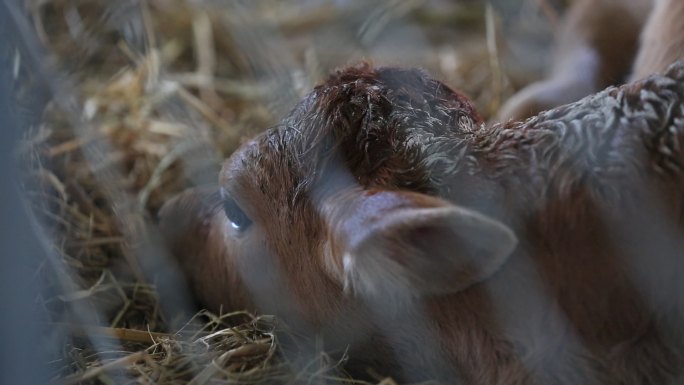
{"x":388,"y":126}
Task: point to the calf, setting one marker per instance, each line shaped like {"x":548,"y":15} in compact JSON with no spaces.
{"x":383,"y":216}
{"x":601,"y":43}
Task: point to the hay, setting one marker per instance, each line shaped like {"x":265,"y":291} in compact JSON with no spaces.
{"x":154,"y":95}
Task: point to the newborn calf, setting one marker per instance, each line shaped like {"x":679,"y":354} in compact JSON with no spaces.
{"x":382,"y":216}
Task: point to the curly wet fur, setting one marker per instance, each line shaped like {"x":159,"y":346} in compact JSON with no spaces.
{"x":593,"y":191}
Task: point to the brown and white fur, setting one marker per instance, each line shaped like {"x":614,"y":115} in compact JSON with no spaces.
{"x":381,"y":215}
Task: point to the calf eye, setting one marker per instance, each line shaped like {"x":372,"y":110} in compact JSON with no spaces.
{"x":238,"y":219}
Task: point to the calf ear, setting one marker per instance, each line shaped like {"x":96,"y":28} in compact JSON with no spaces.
{"x":397,"y":245}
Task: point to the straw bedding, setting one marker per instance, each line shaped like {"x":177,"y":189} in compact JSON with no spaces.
{"x":151,"y":96}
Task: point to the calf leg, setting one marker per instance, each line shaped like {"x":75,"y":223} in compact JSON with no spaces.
{"x":662,"y":40}
{"x":594,"y":49}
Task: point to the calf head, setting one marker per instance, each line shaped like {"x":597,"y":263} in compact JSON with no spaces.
{"x":338,"y":204}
